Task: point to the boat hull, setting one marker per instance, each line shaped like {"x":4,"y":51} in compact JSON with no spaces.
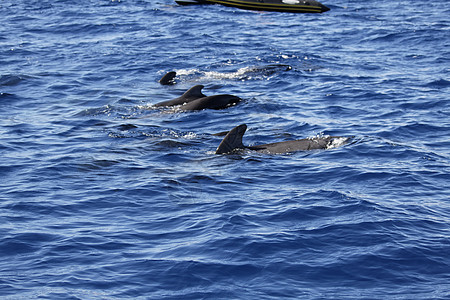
{"x":293,"y":6}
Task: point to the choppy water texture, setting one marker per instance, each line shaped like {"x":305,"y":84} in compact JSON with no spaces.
{"x":105,"y":197}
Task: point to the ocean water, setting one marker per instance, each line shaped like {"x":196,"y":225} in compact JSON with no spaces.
{"x":102,"y":196}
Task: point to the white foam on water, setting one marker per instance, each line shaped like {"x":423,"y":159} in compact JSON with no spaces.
{"x":337,"y":142}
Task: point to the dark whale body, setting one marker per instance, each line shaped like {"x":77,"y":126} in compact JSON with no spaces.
{"x":233,"y":141}
{"x":212,"y":102}
{"x":194,"y":99}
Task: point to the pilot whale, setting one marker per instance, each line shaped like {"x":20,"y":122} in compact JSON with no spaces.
{"x":194,"y":99}
{"x":233,"y":141}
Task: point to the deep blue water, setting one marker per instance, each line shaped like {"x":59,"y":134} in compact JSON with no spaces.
{"x":104,"y":197}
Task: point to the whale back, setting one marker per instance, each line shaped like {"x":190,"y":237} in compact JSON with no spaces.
{"x":212,"y":102}
{"x":294,"y":145}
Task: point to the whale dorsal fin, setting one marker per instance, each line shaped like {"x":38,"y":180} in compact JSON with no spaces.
{"x":168,"y":78}
{"x":190,"y":95}
{"x":233,"y":140}
{"x":194,"y":92}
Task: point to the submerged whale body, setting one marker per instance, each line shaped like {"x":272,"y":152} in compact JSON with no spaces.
{"x":271,"y":69}
{"x":194,"y":99}
{"x":252,"y":72}
{"x":233,"y":141}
